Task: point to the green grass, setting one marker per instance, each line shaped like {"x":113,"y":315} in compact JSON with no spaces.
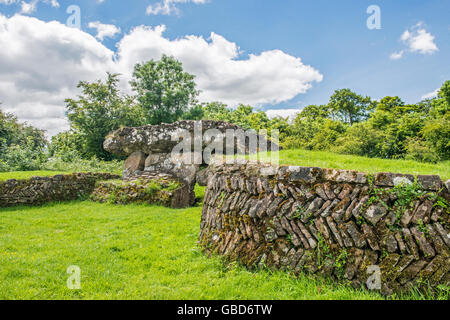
{"x":371,"y":165}
{"x":150,"y":252}
{"x":130,"y":252}
{"x":21,"y":175}
{"x":308,"y":159}
{"x":133,"y":252}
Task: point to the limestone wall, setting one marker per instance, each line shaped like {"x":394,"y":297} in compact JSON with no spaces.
{"x":39,"y":190}
{"x":347,"y":225}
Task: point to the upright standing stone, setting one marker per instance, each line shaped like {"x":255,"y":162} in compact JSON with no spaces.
{"x":134,"y":163}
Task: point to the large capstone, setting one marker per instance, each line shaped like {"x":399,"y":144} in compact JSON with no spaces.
{"x":195,"y":140}
{"x":164,"y":137}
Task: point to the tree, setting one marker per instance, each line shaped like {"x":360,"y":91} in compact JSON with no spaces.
{"x":68,"y":146}
{"x":164,"y":90}
{"x":441,"y":104}
{"x":350,"y":107}
{"x":217,"y":111}
{"x":390,"y":104}
{"x":194,"y":113}
{"x":444,"y":92}
{"x":314,"y":112}
{"x":22,"y":147}
{"x":98,"y":111}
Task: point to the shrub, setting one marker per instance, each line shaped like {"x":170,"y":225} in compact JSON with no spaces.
{"x":419,"y":150}
{"x":83,"y":165}
{"x":22,"y":158}
{"x":437,"y":134}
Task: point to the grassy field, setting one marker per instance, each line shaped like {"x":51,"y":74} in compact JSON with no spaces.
{"x":27,"y":174}
{"x":134,"y":252}
{"x":371,"y":165}
{"x":131,"y":252}
{"x":311,"y":159}
{"x":150,"y":252}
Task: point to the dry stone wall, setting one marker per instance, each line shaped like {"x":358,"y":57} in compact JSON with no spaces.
{"x":147,"y":188}
{"x":39,"y":190}
{"x":351,"y":226}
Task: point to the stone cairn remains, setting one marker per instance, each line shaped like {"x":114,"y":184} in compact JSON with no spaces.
{"x":386,"y":232}
{"x":149,"y":150}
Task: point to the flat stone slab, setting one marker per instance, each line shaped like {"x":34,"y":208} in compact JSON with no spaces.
{"x":160,"y":138}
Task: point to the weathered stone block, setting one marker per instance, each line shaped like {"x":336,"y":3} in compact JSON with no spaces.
{"x":134,"y":163}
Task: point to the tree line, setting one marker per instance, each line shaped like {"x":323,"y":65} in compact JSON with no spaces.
{"x":163,"y":92}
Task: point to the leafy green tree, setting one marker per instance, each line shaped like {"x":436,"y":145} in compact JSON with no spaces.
{"x":419,"y":150}
{"x":194,"y":113}
{"x":440,"y":105}
{"x":444,"y":92}
{"x":67,"y":145}
{"x":360,"y":139}
{"x":98,"y":111}
{"x":436,"y":132}
{"x":217,"y":111}
{"x":22,"y":147}
{"x":314,"y":112}
{"x":164,"y":90}
{"x":305,"y":126}
{"x":328,"y":134}
{"x":390,"y":104}
{"x":350,"y":107}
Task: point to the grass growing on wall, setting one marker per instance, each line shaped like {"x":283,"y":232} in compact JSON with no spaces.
{"x":133,"y":252}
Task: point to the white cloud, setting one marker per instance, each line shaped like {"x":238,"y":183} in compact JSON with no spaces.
{"x":431,"y":95}
{"x":167,"y":7}
{"x":284,"y":113}
{"x":268,"y":78}
{"x":45,"y":61}
{"x":42,"y":67}
{"x":396,"y":55}
{"x":30,"y":7}
{"x":419,"y":40}
{"x":104,"y":30}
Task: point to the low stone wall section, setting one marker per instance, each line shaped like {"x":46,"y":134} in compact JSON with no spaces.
{"x":388,"y":232}
{"x":39,"y":190}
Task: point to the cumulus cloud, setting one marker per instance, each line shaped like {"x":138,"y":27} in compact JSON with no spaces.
{"x":45,"y":61}
{"x":284,"y":113}
{"x":42,"y":67}
{"x":397,"y":55}
{"x":431,"y":95}
{"x":268,"y":78}
{"x":418,"y":40}
{"x":168,"y":7}
{"x":104,"y":30}
{"x":29,"y":7}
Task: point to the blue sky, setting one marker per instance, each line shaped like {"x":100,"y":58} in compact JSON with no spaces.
{"x":329,"y":36}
